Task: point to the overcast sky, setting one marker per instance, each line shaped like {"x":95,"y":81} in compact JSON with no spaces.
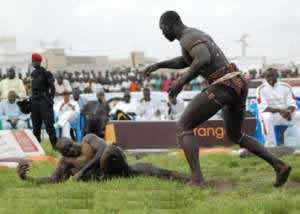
{"x":116,"y":27}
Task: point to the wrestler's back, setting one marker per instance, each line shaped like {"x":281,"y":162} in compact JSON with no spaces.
{"x":193,"y":36}
{"x":89,"y":146}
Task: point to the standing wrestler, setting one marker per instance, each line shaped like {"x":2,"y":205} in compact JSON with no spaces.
{"x":43,"y":92}
{"x":228,"y":91}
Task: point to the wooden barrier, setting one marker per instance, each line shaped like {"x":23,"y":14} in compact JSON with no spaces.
{"x":162,"y":134}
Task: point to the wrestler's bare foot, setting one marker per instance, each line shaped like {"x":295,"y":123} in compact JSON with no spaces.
{"x":282,"y":175}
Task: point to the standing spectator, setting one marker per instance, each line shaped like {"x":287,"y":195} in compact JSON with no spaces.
{"x":96,"y":113}
{"x":61,"y":85}
{"x":66,"y":111}
{"x":43,"y":92}
{"x":276,"y":105}
{"x":10,"y":114}
{"x":12,"y":82}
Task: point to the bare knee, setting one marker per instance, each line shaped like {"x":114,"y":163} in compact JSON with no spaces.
{"x":182,"y":132}
{"x":179,"y":131}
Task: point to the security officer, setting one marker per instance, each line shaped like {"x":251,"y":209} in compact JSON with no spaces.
{"x":43,"y":92}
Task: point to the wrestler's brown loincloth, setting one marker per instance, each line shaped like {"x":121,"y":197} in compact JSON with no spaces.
{"x":238,"y":82}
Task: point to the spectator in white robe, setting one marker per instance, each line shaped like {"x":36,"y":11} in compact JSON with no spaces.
{"x":175,"y":108}
{"x":12,"y":82}
{"x":276,"y":104}
{"x":147,"y":109}
{"x":66,"y":111}
{"x":61,"y":86}
{"x":10,"y":114}
{"x":126,"y":105}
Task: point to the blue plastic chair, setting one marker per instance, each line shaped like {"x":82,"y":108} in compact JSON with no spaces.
{"x":76,"y":125}
{"x":277,"y":130}
{"x":298,"y":102}
{"x":253,"y":108}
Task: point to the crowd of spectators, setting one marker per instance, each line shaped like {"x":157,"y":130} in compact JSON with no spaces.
{"x":284,"y":73}
{"x":90,"y":82}
{"x":68,"y":109}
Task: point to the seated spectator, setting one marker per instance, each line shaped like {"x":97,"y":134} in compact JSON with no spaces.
{"x":99,"y":85}
{"x":134,"y":86}
{"x":147,"y":109}
{"x":276,"y":105}
{"x":76,"y":83}
{"x":125,"y":84}
{"x":175,"y":108}
{"x":93,"y":85}
{"x":81,"y":101}
{"x":196,"y":84}
{"x":147,"y":83}
{"x":114,"y":87}
{"x":12,"y":82}
{"x":81,"y":85}
{"x":87,"y":86}
{"x":11,"y":115}
{"x":66,"y":111}
{"x":61,"y":86}
{"x":127,"y":106}
{"x":166,"y":83}
{"x":96,"y":113}
{"x":157,"y":83}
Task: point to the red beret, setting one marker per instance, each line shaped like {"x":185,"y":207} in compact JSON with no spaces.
{"x":36,"y":57}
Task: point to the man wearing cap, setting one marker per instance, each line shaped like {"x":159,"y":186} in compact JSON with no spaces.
{"x":43,"y":92}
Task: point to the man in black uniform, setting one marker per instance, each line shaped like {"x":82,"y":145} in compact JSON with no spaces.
{"x":227,"y":91}
{"x":43,"y":92}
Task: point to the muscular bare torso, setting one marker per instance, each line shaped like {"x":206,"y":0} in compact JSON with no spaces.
{"x":192,"y":37}
{"x":91,"y":143}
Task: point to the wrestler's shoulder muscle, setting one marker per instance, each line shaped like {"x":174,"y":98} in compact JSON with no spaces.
{"x":193,"y":37}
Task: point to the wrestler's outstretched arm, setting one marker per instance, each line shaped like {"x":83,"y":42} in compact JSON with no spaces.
{"x":201,"y":56}
{"x":175,"y":63}
{"x":61,"y":174}
{"x":96,"y":159}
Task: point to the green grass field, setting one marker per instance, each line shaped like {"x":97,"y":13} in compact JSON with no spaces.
{"x":245,"y":187}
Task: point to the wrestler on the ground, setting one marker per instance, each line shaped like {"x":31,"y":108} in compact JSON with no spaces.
{"x":95,"y":160}
{"x":228,"y":91}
